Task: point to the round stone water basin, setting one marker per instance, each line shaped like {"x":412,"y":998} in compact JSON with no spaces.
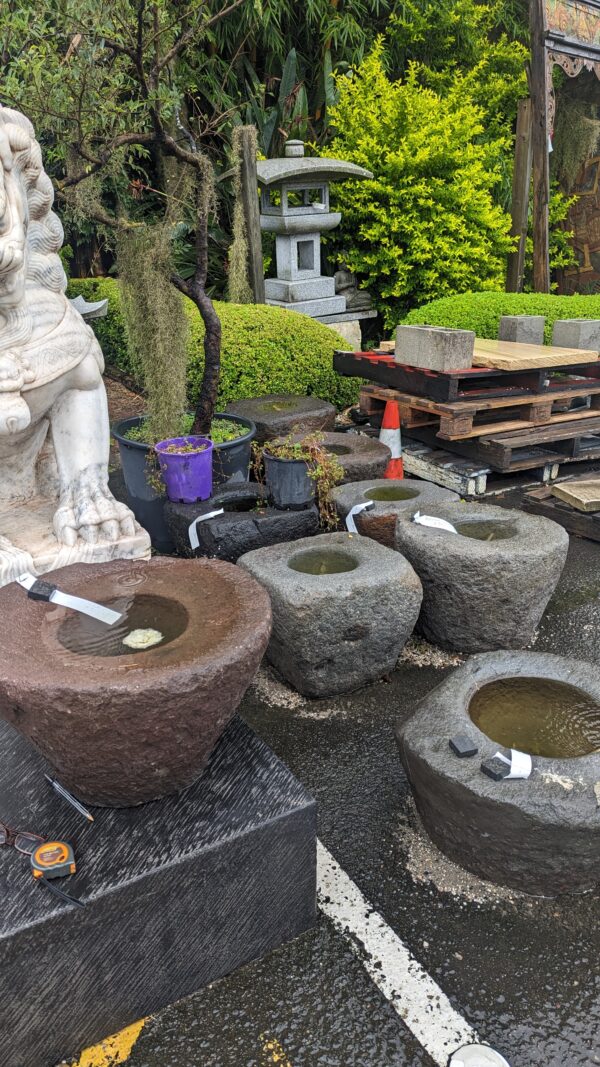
{"x":123,"y":725}
{"x":486,"y":586}
{"x":390,"y":497}
{"x":540,"y":834}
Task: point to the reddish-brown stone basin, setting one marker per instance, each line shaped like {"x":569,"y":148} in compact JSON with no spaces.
{"x":122,"y":728}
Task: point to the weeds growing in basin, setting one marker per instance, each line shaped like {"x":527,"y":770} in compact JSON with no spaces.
{"x":187,"y":449}
{"x":321,"y":465}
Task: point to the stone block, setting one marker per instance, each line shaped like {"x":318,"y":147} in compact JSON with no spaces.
{"x":278,"y":414}
{"x":343,"y":608}
{"x":178,"y":894}
{"x":577,"y":333}
{"x":246,"y":524}
{"x":298,"y":256}
{"x":526,"y":329}
{"x":330,"y":306}
{"x":293,"y":292}
{"x":350,"y":331}
{"x":487,"y":586}
{"x":434,"y":347}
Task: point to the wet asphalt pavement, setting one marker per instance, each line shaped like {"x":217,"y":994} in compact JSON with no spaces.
{"x":522,"y":971}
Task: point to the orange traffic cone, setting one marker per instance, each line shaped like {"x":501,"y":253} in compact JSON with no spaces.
{"x":390,"y":436}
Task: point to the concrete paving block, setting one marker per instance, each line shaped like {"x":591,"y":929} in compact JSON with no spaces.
{"x":434,"y":347}
{"x":577,"y":333}
{"x":526,"y":329}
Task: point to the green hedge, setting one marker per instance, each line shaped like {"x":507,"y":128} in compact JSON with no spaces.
{"x":264,"y":350}
{"x":482,"y":311}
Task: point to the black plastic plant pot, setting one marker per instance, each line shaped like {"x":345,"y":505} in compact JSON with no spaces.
{"x":231,"y":463}
{"x":231,"y":460}
{"x":147,"y":505}
{"x":288,"y":483}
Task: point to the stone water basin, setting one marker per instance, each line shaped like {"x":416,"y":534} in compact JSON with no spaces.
{"x":539,"y":835}
{"x":119,"y":725}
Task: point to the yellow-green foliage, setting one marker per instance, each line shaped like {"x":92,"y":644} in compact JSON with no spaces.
{"x":426,"y":225}
{"x":264,"y":349}
{"x":481,"y":312}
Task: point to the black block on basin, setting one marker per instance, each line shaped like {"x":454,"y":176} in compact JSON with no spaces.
{"x":178,"y":893}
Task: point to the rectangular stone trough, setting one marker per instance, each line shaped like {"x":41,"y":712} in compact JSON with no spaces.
{"x":178,"y":893}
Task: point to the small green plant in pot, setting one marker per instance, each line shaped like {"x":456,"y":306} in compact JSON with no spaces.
{"x":297,"y":473}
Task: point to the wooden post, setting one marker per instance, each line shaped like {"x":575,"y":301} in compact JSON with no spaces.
{"x":540,"y":137}
{"x":251,"y":213}
{"x":520,"y":197}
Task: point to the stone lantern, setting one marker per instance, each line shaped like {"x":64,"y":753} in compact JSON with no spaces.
{"x":295,"y":207}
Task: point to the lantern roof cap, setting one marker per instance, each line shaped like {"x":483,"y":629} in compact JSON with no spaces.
{"x":295,"y":165}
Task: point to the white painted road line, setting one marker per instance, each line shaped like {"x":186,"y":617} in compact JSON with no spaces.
{"x":413,"y":994}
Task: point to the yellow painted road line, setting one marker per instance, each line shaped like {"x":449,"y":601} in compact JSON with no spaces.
{"x":274,"y":1051}
{"x":113,"y":1050}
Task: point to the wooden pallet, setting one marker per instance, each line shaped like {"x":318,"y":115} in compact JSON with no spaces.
{"x":515,"y":355}
{"x":542,"y":502}
{"x":480,"y":416}
{"x":546,"y":460}
{"x":463,"y":384}
{"x":443,"y":468}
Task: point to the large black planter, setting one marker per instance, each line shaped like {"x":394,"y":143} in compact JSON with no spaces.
{"x":288,"y":482}
{"x":231,"y":463}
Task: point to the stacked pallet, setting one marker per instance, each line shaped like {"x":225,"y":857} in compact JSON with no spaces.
{"x":506,"y":419}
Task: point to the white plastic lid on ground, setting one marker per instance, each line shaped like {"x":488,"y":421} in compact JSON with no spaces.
{"x":477,"y":1056}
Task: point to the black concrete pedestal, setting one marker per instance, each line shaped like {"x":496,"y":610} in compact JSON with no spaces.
{"x":178,"y":893}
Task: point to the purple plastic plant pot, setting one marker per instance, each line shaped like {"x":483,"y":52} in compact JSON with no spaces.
{"x":187,"y":475}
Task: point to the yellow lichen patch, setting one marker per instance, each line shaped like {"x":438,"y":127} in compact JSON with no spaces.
{"x":273,"y":1051}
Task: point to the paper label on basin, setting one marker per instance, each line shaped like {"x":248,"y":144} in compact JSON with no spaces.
{"x":520,"y":764}
{"x":192,"y":533}
{"x":431,"y":520}
{"x":350,"y":523}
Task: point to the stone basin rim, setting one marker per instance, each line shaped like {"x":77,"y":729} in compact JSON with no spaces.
{"x":455,"y":694}
{"x":155,"y":668}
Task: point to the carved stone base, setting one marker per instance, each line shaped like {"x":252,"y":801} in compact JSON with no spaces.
{"x":27,"y":542}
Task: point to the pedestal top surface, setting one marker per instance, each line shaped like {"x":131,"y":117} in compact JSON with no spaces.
{"x":244,"y":785}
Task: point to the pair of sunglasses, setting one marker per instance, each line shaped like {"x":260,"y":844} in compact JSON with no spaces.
{"x":24,"y":843}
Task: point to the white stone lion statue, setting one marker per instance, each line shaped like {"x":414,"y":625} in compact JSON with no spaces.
{"x":55,"y":504}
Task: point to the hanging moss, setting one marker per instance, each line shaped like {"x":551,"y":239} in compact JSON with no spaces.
{"x":239,"y":289}
{"x":156,"y":326}
{"x":576,"y":138}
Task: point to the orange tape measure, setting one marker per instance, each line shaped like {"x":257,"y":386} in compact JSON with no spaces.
{"x":53,"y":859}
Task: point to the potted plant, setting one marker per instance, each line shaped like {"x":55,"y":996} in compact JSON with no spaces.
{"x":298,"y":472}
{"x":186,"y":468}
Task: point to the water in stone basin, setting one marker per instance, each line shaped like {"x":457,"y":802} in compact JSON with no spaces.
{"x":338,"y":450}
{"x":313,"y":561}
{"x":486,"y":530}
{"x":538,"y":716}
{"x":81,"y":634}
{"x":390,"y":492}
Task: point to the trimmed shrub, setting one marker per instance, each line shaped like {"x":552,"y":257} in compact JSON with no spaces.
{"x":482,"y":312}
{"x":264,"y":349}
